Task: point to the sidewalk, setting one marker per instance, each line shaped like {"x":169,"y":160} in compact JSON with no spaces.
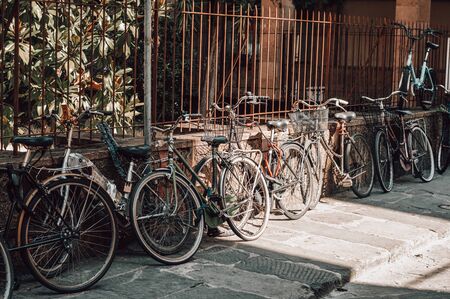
{"x":342,"y":240}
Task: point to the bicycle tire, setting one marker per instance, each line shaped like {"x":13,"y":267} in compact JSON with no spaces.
{"x":426,"y":93}
{"x":6,"y":272}
{"x":313,"y":154}
{"x":443,"y":154}
{"x":162,"y":239}
{"x":293,"y":160}
{"x":421,"y":153}
{"x":237,"y":202}
{"x":92,"y":221}
{"x":356,"y":151}
{"x":384,"y":161}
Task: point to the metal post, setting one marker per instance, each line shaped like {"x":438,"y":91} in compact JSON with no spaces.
{"x":147,"y":72}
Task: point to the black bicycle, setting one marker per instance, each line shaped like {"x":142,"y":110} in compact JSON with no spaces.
{"x":443,"y":152}
{"x":398,"y":138}
{"x":67,"y":247}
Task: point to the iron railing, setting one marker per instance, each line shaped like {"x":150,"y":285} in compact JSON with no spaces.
{"x":91,"y":53}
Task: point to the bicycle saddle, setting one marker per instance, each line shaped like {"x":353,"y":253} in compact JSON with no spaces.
{"x":345,"y":116}
{"x":432,"y":45}
{"x":280,"y":124}
{"x":403,"y":112}
{"x":138,"y":151}
{"x":43,"y":141}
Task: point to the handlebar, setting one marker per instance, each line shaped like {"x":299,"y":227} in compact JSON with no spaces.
{"x":446,"y":91}
{"x":337,"y":102}
{"x":184,"y":117}
{"x":381,"y":99}
{"x":425,"y":32}
{"x":248,"y":97}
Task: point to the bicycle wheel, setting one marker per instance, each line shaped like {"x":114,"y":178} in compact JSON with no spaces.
{"x":166,"y":217}
{"x":246,"y":199}
{"x":426,"y":93}
{"x":6,"y":272}
{"x":421,"y":154}
{"x":295,"y":178}
{"x":443,"y":154}
{"x":76,"y":246}
{"x":359,"y":165}
{"x":313,"y":156}
{"x":384,"y":161}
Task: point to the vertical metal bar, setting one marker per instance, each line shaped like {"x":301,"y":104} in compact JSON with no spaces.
{"x":240,"y":52}
{"x":276,"y":47}
{"x":280,"y":95}
{"x":224,"y":61}
{"x":208,"y":69}
{"x":299,"y":55}
{"x":292,"y":64}
{"x":247,"y":42}
{"x":164,"y":65}
{"x":232,"y":53}
{"x":155,"y":64}
{"x":16,"y":73}
{"x":148,"y":103}
{"x":269,"y":37}
{"x":287,"y":64}
{"x":306,"y":54}
{"x":200,"y":62}
{"x":191,"y":64}
{"x":183,"y":52}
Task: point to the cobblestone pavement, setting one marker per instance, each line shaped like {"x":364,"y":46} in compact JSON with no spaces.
{"x":388,"y":245}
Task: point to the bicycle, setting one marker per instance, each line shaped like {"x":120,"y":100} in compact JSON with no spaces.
{"x":66,"y":250}
{"x":287,"y":180}
{"x":405,"y":140}
{"x":443,"y":153}
{"x":170,"y":195}
{"x":424,"y":85}
{"x":351,"y":156}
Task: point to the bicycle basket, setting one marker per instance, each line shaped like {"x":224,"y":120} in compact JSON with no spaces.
{"x":372,"y":115}
{"x":309,"y":121}
{"x":215,"y":127}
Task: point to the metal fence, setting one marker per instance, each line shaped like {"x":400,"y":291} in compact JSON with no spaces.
{"x":89,"y":53}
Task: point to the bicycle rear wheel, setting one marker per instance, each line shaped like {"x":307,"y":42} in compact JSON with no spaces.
{"x":76,"y":246}
{"x":293,"y":194}
{"x":246,"y":199}
{"x":421,"y":154}
{"x":359,"y":165}
{"x":443,"y":154}
{"x":6,"y":272}
{"x":384,"y":161}
{"x":166,"y":217}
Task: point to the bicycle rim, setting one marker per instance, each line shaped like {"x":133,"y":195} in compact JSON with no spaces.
{"x":246,"y":198}
{"x":6,"y":272}
{"x":422,"y":154}
{"x":294,"y":195}
{"x":443,"y":155}
{"x":384,"y":161}
{"x":76,"y":262}
{"x":359,"y":165}
{"x":313,"y":156}
{"x":166,"y":217}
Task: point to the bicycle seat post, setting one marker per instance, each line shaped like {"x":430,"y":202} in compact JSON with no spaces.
{"x":27,"y":158}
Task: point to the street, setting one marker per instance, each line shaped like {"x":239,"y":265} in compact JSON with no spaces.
{"x":388,"y":245}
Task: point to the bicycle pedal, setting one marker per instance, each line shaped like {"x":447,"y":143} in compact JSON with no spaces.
{"x":347,"y":183}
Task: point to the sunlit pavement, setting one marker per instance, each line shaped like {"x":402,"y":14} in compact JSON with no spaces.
{"x":389,"y":245}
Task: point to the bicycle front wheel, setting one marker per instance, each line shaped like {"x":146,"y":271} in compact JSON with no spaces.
{"x":246,"y":200}
{"x":313,"y":156}
{"x":166,"y":217}
{"x":293,"y":194}
{"x":71,"y":249}
{"x":421,"y":154}
{"x":443,"y":154}
{"x":6,"y":272}
{"x":359,"y":165}
{"x":384,"y":161}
